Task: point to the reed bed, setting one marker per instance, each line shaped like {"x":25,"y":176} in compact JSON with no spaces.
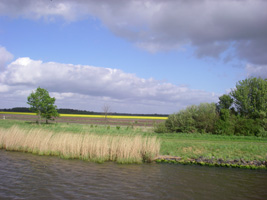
{"x":86,"y":146}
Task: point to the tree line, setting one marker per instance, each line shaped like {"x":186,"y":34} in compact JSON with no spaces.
{"x":241,"y":112}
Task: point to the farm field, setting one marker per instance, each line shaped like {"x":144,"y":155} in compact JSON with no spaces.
{"x":115,"y":120}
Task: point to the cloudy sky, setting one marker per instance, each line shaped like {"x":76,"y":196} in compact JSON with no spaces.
{"x":138,"y":56}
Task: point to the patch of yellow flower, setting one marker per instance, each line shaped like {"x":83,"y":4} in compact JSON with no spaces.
{"x":94,"y":116}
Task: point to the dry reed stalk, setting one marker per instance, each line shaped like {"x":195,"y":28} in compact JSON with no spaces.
{"x":123,"y":149}
{"x":151,"y":148}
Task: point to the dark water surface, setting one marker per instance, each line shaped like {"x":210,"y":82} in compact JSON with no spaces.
{"x":27,"y":176}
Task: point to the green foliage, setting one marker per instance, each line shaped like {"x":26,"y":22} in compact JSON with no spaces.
{"x":262,"y":133}
{"x":250,"y":97}
{"x":225,"y":102}
{"x":42,"y":104}
{"x":250,"y":102}
{"x":205,"y":117}
{"x":200,"y":118}
{"x":242,"y":112}
{"x":246,"y":126}
{"x":182,"y":121}
{"x":225,"y":125}
{"x":160,"y":128}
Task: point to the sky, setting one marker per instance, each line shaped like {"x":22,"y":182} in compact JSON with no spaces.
{"x":137,"y":56}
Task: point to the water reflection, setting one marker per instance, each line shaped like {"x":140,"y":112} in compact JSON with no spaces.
{"x":27,"y":176}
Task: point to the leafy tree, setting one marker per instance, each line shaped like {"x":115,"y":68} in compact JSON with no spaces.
{"x":42,"y":104}
{"x":250,"y":97}
{"x":225,"y":102}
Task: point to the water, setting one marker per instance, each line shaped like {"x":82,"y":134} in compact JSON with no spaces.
{"x":27,"y":176}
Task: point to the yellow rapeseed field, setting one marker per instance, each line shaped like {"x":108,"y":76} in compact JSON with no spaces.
{"x":94,"y":116}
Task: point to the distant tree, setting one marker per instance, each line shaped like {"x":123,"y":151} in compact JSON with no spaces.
{"x":106,"y":109}
{"x":42,"y":104}
{"x":250,"y":97}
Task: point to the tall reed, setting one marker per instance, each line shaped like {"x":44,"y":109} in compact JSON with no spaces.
{"x":86,"y":146}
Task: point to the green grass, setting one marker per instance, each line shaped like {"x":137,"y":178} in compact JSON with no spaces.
{"x":216,"y":146}
{"x":79,"y":128}
{"x":183,"y":145}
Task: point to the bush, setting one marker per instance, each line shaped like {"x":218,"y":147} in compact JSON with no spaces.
{"x":224,"y":127}
{"x":182,"y":121}
{"x":200,"y":118}
{"x":160,"y":128}
{"x":247,"y":127}
{"x":205,"y":117}
{"x":226,"y":124}
{"x":262,"y":133}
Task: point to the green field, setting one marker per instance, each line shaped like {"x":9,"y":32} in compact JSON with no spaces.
{"x":213,"y":146}
{"x":182,"y":145}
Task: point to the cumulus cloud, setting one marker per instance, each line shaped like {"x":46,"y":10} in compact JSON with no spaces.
{"x":90,"y":87}
{"x":210,"y":26}
{"x":257,"y":71}
{"x":5,"y":57}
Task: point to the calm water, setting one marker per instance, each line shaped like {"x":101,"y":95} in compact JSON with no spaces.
{"x":27,"y":176}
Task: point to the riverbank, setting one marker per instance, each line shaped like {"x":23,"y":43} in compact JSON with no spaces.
{"x":84,"y":146}
{"x":254,"y":164}
{"x":201,"y":149}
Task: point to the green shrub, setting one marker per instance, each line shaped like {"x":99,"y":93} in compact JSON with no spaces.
{"x":182,"y":121}
{"x":224,"y":127}
{"x":247,"y":127}
{"x":160,"y":128}
{"x":262,"y":133}
{"x":226,"y":124}
{"x":205,"y":117}
{"x":200,"y":118}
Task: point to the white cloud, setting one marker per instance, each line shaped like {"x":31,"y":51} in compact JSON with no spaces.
{"x":257,"y":71}
{"x":210,"y":26}
{"x":5,"y":57}
{"x":3,"y":88}
{"x":89,"y":87}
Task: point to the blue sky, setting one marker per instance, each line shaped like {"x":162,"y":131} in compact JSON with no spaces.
{"x":136,"y":56}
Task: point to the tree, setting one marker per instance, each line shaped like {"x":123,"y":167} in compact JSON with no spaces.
{"x":106,"y":110}
{"x":42,"y":104}
{"x":225,"y":102}
{"x":250,"y":97}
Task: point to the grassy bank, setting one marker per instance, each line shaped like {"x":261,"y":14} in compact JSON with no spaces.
{"x":186,"y":146}
{"x":214,"y":146}
{"x":86,"y":146}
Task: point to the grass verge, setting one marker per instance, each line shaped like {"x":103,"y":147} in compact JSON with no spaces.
{"x":214,"y":146}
